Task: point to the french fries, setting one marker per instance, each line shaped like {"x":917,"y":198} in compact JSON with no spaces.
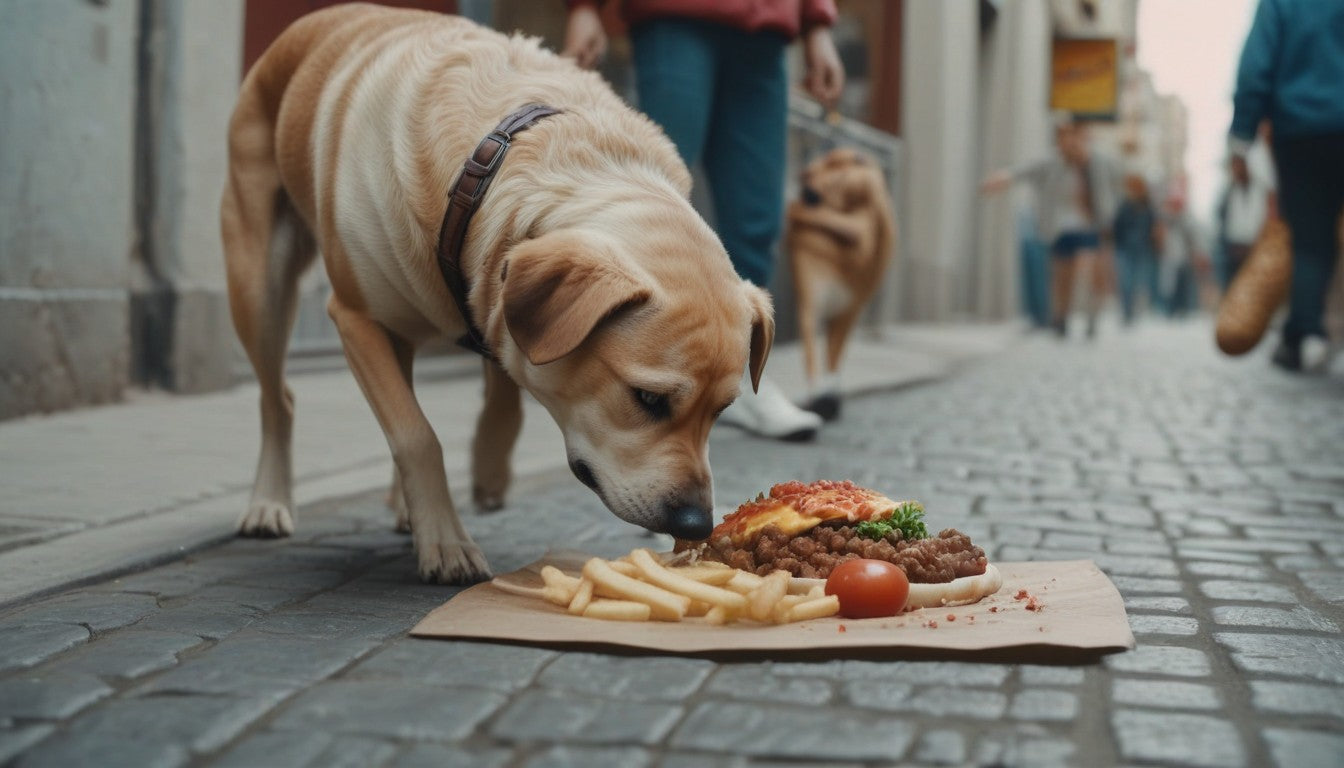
{"x":582,"y":597}
{"x":617,"y":610}
{"x":651,"y":570}
{"x":813,"y":609}
{"x":667,"y":606}
{"x":769,"y":595}
{"x":641,"y":587}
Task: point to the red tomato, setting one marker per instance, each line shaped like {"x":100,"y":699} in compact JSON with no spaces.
{"x":868,"y":588}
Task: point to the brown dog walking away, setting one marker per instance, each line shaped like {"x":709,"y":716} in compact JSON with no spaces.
{"x":596,"y":286}
{"x":840,"y":237}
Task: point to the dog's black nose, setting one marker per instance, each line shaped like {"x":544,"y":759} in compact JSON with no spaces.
{"x":691,"y":523}
{"x":584,"y":473}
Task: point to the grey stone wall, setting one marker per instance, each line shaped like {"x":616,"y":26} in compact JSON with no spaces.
{"x":112,"y":120}
{"x":191,"y":62}
{"x":67,"y":76}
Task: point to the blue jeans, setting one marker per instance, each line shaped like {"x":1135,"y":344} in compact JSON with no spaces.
{"x":1036,"y":281}
{"x":1136,"y":270}
{"x":721,"y":95}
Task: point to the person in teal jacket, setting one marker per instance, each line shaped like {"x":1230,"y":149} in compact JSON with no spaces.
{"x":1292,"y":75}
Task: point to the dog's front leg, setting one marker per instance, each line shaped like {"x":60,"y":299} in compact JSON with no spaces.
{"x":496,"y":432}
{"x":445,"y":549}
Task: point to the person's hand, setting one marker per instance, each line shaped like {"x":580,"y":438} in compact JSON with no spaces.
{"x":825,"y":77}
{"x":585,"y":40}
{"x":996,"y":182}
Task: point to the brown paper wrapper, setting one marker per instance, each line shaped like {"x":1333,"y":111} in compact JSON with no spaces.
{"x":1081,"y":617}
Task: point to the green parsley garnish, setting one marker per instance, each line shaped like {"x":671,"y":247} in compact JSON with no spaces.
{"x":908,"y":517}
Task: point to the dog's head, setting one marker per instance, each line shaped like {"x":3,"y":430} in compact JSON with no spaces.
{"x":635,"y":344}
{"x":843,"y":179}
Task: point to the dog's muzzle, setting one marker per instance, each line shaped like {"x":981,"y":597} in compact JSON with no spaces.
{"x":689,"y":522}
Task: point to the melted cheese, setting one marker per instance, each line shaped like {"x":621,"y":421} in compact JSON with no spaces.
{"x":786,"y":519}
{"x":795,"y":508}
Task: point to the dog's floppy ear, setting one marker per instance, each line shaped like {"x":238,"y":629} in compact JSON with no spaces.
{"x":762,"y":331}
{"x":558,"y":287}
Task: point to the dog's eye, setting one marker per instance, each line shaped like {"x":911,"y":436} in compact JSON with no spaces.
{"x":654,"y":404}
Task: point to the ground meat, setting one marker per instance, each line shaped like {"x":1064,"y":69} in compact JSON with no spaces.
{"x":803,"y":547}
{"x":942,"y":558}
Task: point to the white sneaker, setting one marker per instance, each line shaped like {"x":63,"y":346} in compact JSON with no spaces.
{"x":769,"y":413}
{"x":1316,"y":354}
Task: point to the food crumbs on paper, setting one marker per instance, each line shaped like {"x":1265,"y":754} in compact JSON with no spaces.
{"x":1040,"y":629}
{"x":993,"y":609}
{"x":971,"y":617}
{"x":841,"y":628}
{"x":951,"y":617}
{"x":1033,"y":604}
{"x":933,"y":624}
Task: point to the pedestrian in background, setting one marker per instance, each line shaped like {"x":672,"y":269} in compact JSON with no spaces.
{"x":1292,"y":74}
{"x":712,"y":74}
{"x":1077,"y":194}
{"x":1137,"y":241}
{"x":1182,"y":257}
{"x":1246,"y":204}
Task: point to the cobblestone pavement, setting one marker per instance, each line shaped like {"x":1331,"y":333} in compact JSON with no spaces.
{"x":1211,"y":491}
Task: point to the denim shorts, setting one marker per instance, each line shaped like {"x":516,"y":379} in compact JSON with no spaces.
{"x":1069,"y":243}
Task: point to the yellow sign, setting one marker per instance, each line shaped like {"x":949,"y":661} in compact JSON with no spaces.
{"x":1084,"y":77}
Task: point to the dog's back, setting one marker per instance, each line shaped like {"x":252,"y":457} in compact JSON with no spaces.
{"x":390,"y":102}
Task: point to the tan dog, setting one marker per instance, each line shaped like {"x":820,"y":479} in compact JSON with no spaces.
{"x":597,"y":286}
{"x":839,"y":237}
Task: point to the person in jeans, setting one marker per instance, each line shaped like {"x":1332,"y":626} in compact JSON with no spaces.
{"x":712,"y":74}
{"x":1137,"y":242}
{"x":1181,"y":260}
{"x":1291,"y":73}
{"x":1077,"y":197}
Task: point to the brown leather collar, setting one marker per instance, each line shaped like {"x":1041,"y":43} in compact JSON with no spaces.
{"x":464,"y":198}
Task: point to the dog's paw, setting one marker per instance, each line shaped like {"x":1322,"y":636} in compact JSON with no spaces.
{"x":403,"y":523}
{"x":453,"y":563}
{"x":266,"y":520}
{"x":487,"y":500}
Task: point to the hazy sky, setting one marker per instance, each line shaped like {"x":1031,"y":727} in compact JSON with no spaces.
{"x":1191,"y":47}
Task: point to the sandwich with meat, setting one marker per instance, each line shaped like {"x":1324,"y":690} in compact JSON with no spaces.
{"x":810,"y":529}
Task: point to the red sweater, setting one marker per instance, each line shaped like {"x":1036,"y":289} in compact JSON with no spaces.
{"x":788,"y":17}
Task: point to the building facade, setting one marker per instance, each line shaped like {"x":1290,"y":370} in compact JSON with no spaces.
{"x":112,"y":156}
